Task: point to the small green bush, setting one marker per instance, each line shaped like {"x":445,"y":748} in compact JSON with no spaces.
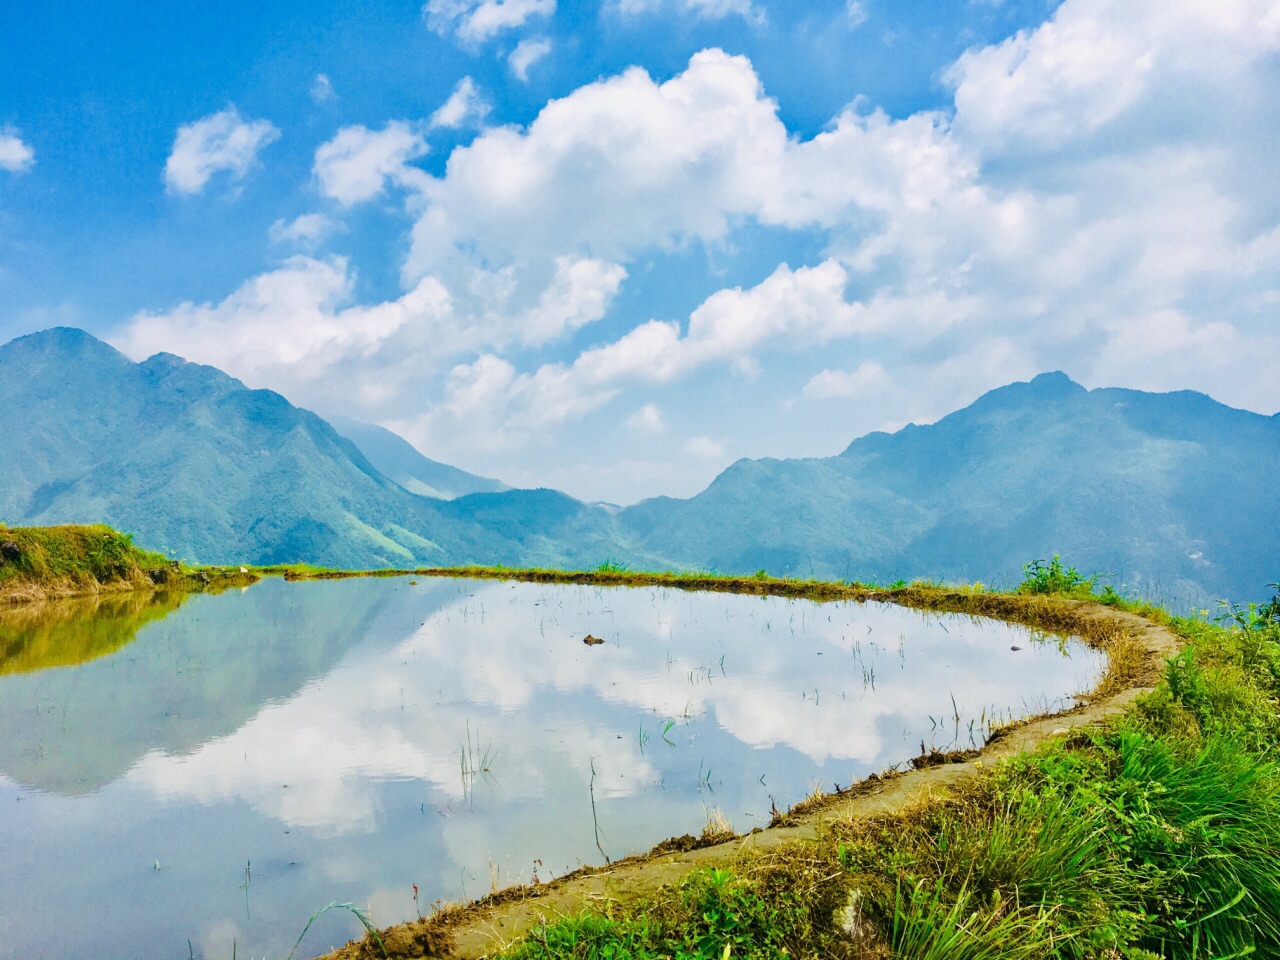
{"x":1053,"y":577}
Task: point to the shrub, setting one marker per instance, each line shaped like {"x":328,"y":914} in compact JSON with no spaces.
{"x":1053,"y":577}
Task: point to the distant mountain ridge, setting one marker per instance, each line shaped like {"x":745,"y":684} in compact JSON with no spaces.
{"x":201,"y":467}
{"x":402,"y":462}
{"x":1174,"y":494}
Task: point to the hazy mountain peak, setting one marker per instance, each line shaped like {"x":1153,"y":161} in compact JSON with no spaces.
{"x":63,"y":343}
{"x":400,"y":460}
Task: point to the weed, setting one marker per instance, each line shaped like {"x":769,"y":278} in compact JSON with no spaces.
{"x":666,"y":728}
{"x":1053,"y":577}
{"x":355,"y":911}
{"x":929,"y":925}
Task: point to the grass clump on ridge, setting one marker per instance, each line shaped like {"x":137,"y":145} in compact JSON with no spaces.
{"x":1156,"y":835}
{"x":70,"y":557}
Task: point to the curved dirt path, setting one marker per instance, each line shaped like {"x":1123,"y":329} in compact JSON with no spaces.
{"x":483,"y":928}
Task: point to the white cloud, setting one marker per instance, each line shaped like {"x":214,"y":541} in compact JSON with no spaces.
{"x":704,"y":447}
{"x":15,"y":155}
{"x":618,"y":166}
{"x":465,"y":107}
{"x":357,"y":163}
{"x":321,"y":88}
{"x":475,"y":21}
{"x":511,"y":409}
{"x":648,"y":419}
{"x":1087,"y":205}
{"x":527,"y":52}
{"x":297,"y":329}
{"x":867,"y":380}
{"x":308,"y":230}
{"x":856,"y":13}
{"x":220,"y":141}
{"x":579,"y":293}
{"x":702,"y":9}
{"x":1093,"y":62}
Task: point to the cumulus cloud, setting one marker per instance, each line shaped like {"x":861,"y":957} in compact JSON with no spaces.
{"x":15,"y":156}
{"x":648,"y":419}
{"x":465,"y":106}
{"x":616,"y":167}
{"x":475,"y":21}
{"x":867,"y":380}
{"x":527,"y":52}
{"x":308,"y":230}
{"x":1085,"y":204}
{"x":220,"y":141}
{"x":855,"y":12}
{"x":358,"y":163}
{"x":514,"y":409}
{"x":1093,"y":63}
{"x":297,"y":328}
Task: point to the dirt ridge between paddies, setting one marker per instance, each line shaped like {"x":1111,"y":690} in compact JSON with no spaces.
{"x":43,"y":564}
{"x":1135,"y":646}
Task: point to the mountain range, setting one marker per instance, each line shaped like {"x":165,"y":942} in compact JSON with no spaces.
{"x":1172,"y":495}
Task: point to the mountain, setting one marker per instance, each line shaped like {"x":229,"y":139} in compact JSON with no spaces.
{"x":396,"y":458}
{"x":201,"y":467}
{"x":1173,"y":495}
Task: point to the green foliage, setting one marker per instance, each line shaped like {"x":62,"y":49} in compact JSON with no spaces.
{"x":712,"y":914}
{"x":929,"y":924}
{"x":612,"y":566}
{"x":1269,"y":612}
{"x":1052,"y":577}
{"x":75,"y":554}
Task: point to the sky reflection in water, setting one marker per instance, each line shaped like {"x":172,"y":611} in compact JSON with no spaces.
{"x":254,"y":756}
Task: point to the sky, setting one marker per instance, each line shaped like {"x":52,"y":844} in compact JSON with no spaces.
{"x":612,"y":247}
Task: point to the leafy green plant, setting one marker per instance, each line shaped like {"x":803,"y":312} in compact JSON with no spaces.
{"x":928,"y":926}
{"x":1269,"y":612}
{"x":612,"y":566}
{"x":1054,"y":577}
{"x":713,"y":915}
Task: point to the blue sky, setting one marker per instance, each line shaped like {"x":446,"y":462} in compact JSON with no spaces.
{"x":611,"y":247}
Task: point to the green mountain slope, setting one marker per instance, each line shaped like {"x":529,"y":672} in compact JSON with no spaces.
{"x":1174,"y":494}
{"x":396,"y":458}
{"x":201,"y":467}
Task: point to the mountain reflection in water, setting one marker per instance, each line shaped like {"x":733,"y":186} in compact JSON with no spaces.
{"x":251,"y":757}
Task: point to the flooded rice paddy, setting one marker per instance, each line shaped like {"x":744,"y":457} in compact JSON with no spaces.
{"x":196,"y":780}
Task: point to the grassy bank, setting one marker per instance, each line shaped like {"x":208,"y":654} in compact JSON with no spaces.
{"x":43,"y":563}
{"x":1154,"y":834}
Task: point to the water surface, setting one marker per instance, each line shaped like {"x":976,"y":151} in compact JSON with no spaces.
{"x":253,"y":756}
